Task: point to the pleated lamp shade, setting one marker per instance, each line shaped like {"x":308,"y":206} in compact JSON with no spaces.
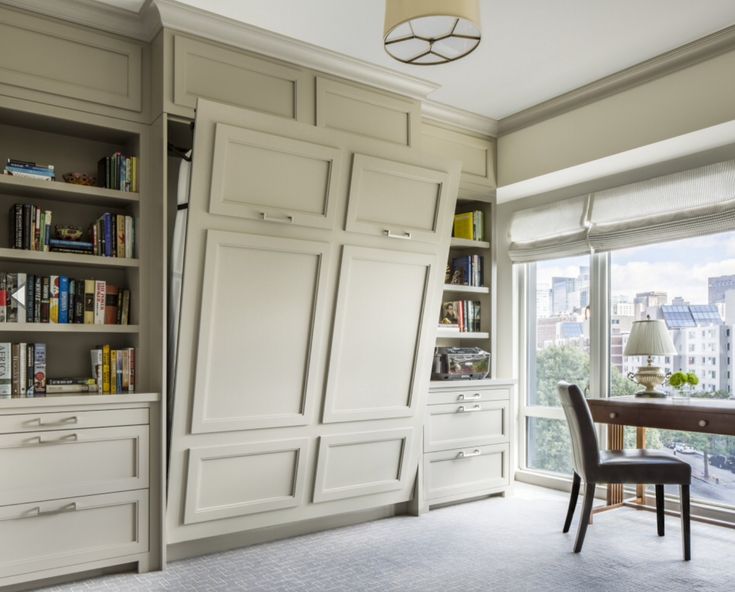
{"x":428,"y":32}
{"x":649,"y":338}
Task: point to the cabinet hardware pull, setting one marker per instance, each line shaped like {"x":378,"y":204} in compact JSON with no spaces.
{"x":36,"y":512}
{"x":613,"y":415}
{"x":702,"y":423}
{"x":40,"y":440}
{"x":402,"y":236}
{"x":39,"y":422}
{"x":463,"y":409}
{"x":463,"y":454}
{"x":464,"y":398}
{"x":285,"y":220}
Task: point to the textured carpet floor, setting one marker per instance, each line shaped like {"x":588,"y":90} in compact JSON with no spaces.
{"x":491,"y":545}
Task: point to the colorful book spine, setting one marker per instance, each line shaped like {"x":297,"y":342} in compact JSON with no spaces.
{"x":54,"y":299}
{"x":6,"y":371}
{"x":39,"y":369}
{"x":63,"y":299}
{"x":99,"y":302}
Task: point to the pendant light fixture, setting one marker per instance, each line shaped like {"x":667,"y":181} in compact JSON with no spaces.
{"x":429,"y":32}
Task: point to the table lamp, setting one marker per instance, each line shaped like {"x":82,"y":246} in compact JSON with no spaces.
{"x":649,"y":338}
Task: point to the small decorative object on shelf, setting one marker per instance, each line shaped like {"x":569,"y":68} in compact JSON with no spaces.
{"x":80,"y":179}
{"x":682,"y":382}
{"x":69,"y":233}
{"x":460,"y":363}
{"x":29,"y":170}
{"x":463,"y":315}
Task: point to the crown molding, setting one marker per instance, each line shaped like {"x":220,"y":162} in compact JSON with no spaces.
{"x":666,"y":63}
{"x":202,"y":23}
{"x":466,"y":120}
{"x":142,"y":26}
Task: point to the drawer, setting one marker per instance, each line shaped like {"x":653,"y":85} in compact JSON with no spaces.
{"x":467,"y":424}
{"x":464,"y":472}
{"x":468,"y":393}
{"x":52,"y":534}
{"x":63,"y":463}
{"x":34,"y":422}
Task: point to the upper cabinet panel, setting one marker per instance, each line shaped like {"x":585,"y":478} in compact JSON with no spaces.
{"x":268,"y":177}
{"x":396,"y":200}
{"x":49,"y":57}
{"x":229,"y":76}
{"x":476,"y":154}
{"x":366,"y":112}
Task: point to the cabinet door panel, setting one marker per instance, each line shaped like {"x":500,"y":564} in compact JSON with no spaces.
{"x":235,"y":480}
{"x":256,"y":360}
{"x":272,"y":178}
{"x":365,"y":463}
{"x":378,"y":327}
{"x":396,"y":200}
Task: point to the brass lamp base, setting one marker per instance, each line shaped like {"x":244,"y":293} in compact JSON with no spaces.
{"x":649,"y":377}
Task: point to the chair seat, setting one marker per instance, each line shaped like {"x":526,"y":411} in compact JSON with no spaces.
{"x":642,"y":466}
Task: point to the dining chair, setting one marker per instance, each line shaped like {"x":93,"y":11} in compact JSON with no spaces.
{"x":637,"y":466}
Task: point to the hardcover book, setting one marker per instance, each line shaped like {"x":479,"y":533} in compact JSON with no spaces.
{"x":6,"y":371}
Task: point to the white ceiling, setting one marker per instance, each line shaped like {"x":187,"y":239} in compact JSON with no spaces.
{"x":531,"y":51}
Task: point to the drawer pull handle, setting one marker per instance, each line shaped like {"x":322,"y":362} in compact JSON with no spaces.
{"x":463,"y":409}
{"x":402,"y":235}
{"x":67,"y":438}
{"x":463,"y":454}
{"x":702,"y":423}
{"x":36,"y":512}
{"x":613,"y":415}
{"x":465,"y":398}
{"x":285,"y":220}
{"x":39,"y":422}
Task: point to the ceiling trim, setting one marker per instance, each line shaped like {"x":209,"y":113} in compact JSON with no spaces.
{"x":202,"y":23}
{"x":666,"y":63}
{"x":441,"y":113}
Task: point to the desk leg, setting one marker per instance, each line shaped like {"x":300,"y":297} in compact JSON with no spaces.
{"x":640,"y":442}
{"x":615,"y":434}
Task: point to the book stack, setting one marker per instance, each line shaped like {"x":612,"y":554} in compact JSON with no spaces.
{"x":30,"y":227}
{"x":29,"y":170}
{"x":22,"y":370}
{"x":462,"y":315}
{"x":30,"y":298}
{"x":467,"y":271}
{"x":113,"y":369}
{"x":118,"y":172}
{"x":57,"y":386}
{"x":470,"y":225}
{"x":113,"y":235}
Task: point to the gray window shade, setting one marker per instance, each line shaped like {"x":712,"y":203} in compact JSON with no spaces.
{"x":694,"y":202}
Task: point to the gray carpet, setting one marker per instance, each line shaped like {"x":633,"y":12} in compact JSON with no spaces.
{"x":490,"y":545}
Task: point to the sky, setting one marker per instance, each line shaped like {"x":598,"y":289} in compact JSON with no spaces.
{"x":679,"y":268}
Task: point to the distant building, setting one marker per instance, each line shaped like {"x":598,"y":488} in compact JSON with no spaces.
{"x":718,"y":287}
{"x":647,"y":304}
{"x":564,"y":297}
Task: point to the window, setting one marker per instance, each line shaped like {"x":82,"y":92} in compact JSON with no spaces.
{"x":558,"y":349}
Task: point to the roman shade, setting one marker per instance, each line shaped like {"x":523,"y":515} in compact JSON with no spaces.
{"x":689,"y":203}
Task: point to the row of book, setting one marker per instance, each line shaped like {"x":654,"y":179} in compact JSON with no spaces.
{"x":30,"y":298}
{"x":118,"y":172}
{"x":112,"y":235}
{"x":468,"y":270}
{"x":470,"y":225}
{"x":23,"y":372}
{"x":29,"y":170}
{"x":463,"y":315}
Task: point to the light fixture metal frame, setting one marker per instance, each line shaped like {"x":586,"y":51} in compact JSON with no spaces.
{"x":430,"y":41}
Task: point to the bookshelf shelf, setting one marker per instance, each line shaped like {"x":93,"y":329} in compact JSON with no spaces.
{"x":464,"y":243}
{"x":67,"y":328}
{"x":58,"y":190}
{"x":442,"y":333}
{"x":67,"y":258}
{"x":466,"y":289}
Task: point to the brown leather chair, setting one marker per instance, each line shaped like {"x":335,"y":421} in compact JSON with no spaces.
{"x":624,"y":466}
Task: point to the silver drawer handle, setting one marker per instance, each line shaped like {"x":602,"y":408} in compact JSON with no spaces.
{"x":67,"y":438}
{"x":463,"y":454}
{"x":36,"y":512}
{"x":39,"y":422}
{"x":463,"y":409}
{"x":285,"y":220}
{"x":464,"y":398}
{"x":402,"y":235}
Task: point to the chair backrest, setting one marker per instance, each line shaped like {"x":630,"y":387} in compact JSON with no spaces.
{"x":585,"y":449}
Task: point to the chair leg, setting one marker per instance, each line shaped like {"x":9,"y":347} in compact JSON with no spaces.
{"x":660,"y":509}
{"x":686,"y":532}
{"x":584,"y":519}
{"x":576,"y":480}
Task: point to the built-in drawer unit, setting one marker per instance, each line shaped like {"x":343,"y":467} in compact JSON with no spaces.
{"x":52,"y":534}
{"x":76,"y":420}
{"x":460,"y":473}
{"x":61,"y":463}
{"x":467,"y":393}
{"x":466,"y":424}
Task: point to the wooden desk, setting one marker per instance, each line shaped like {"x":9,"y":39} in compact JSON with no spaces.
{"x":712,"y":416}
